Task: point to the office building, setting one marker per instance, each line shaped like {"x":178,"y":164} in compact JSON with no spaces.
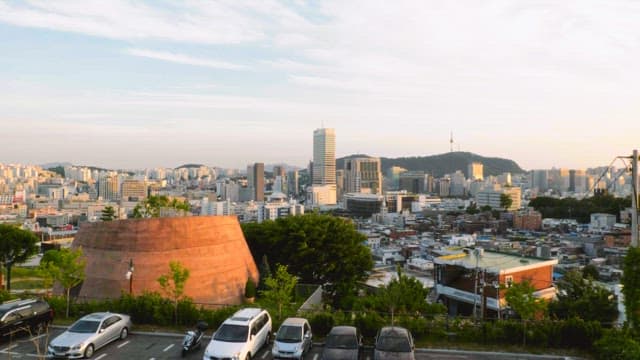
{"x":323,"y":189}
{"x":133,"y":190}
{"x":475,"y":171}
{"x":255,"y":181}
{"x":413,"y":181}
{"x":362,"y":175}
{"x":108,"y":188}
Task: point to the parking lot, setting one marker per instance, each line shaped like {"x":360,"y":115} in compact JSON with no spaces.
{"x":152,"y":347}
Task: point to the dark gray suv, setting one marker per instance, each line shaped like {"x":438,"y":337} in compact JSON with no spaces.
{"x":342,"y":343}
{"x":30,"y":315}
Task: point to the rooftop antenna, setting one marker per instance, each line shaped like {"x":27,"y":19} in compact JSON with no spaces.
{"x":451,"y":142}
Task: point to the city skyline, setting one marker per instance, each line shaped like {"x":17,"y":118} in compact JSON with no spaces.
{"x":140,"y":85}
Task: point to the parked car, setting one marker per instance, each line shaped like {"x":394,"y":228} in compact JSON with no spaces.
{"x":393,"y":342}
{"x":241,"y":336}
{"x":342,"y":343}
{"x":29,"y":315}
{"x":293,"y":339}
{"x":88,"y":334}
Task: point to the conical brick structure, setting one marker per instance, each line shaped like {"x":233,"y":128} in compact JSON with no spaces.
{"x":213,"y":248}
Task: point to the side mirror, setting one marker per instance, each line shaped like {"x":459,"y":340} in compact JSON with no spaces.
{"x":252,"y":337}
{"x":101,"y":330}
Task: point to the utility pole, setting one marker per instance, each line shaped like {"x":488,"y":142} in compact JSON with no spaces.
{"x":634,"y":199}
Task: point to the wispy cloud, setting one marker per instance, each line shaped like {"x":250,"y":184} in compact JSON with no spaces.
{"x":185,"y":59}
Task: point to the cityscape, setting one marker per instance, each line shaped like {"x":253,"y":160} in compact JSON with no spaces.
{"x":319,"y":180}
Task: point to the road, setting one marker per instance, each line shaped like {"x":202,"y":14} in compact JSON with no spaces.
{"x":152,"y":347}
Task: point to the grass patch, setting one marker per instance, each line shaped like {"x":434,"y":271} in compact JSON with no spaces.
{"x":27,"y":284}
{"x":17,"y":272}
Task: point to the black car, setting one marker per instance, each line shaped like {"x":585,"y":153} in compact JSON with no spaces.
{"x":342,"y":343}
{"x":30,"y":315}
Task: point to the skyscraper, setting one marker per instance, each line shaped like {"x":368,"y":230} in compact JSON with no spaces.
{"x":323,"y":184}
{"x":255,"y":180}
{"x":324,"y":157}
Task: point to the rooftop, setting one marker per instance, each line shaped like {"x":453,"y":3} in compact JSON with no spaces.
{"x":494,"y":261}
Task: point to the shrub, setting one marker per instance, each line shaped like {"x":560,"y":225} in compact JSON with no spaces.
{"x":368,"y":323}
{"x":617,"y":345}
{"x":250,"y":289}
{"x":321,"y":323}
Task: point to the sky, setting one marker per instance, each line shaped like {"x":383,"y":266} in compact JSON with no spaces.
{"x":140,"y":84}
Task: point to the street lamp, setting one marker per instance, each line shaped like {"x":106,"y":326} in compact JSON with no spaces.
{"x":129,"y":276}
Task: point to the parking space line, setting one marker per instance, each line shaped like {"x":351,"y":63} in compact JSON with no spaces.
{"x":123,"y":344}
{"x":168,"y":347}
{"x":9,"y":348}
{"x":315,"y":356}
{"x":266,"y":352}
{"x":37,"y":337}
{"x":101,"y":356}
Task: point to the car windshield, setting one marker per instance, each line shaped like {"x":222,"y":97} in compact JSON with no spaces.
{"x":341,"y":342}
{"x":85,"y":326}
{"x":232,"y":333}
{"x":290,"y":334}
{"x":393,"y":344}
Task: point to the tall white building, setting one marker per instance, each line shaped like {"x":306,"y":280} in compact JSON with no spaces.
{"x":324,"y":157}
{"x":324,"y":167}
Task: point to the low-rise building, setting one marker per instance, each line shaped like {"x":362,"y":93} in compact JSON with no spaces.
{"x":473,"y":279}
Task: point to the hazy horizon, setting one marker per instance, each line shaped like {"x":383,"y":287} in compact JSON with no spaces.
{"x":125,"y":84}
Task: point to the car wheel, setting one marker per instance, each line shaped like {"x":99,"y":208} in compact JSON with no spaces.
{"x":88,"y":352}
{"x":267,"y":341}
{"x":39,"y":328}
{"x":248,"y":357}
{"x":124,"y":333}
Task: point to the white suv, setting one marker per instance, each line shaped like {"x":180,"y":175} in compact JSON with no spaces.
{"x":241,"y":336}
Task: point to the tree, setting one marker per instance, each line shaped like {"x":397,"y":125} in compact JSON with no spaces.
{"x":265,"y":272}
{"x":66,"y":267}
{"x":404,"y":295}
{"x":505,"y":201}
{"x":521,"y":299}
{"x":318,"y":249}
{"x":172,"y":284}
{"x":16,"y":246}
{"x":279,"y":288}
{"x":108,"y":213}
{"x":581,"y":297}
{"x":151,"y":206}
{"x":631,"y":286}
{"x":473,"y":209}
{"x":591,"y":271}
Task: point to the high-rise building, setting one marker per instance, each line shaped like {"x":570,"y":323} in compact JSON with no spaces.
{"x":475,"y":171}
{"x":257,"y":177}
{"x":324,"y":157}
{"x":413,"y":181}
{"x":323,"y":189}
{"x":363,"y":175}
{"x":108,"y":188}
{"x":292,"y":182}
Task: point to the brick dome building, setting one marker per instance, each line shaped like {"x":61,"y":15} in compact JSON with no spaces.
{"x":213,"y":248}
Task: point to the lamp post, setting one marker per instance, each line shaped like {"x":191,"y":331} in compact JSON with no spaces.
{"x":129,"y":276}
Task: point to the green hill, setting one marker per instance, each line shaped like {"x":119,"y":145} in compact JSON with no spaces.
{"x":438,"y":165}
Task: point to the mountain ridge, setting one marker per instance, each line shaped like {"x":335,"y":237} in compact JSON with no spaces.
{"x":447,"y":163}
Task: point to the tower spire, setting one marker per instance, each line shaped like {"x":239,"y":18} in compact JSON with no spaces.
{"x":451,"y":142}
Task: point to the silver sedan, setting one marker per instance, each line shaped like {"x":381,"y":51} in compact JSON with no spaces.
{"x":88,"y":334}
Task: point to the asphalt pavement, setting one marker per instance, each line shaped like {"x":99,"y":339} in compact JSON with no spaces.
{"x":149,"y":346}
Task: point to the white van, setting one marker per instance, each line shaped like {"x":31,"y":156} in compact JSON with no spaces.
{"x":241,"y":336}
